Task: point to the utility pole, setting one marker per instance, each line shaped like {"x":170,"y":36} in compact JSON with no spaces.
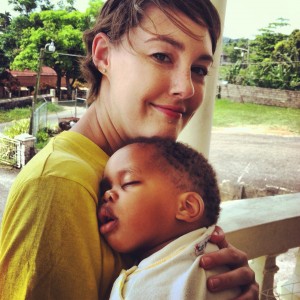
{"x":51,"y":48}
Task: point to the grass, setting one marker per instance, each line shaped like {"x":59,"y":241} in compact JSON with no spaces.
{"x":24,"y":113}
{"x":232,"y":114}
{"x":14,"y":114}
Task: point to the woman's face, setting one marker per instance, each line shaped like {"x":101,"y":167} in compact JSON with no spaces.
{"x":155,"y":85}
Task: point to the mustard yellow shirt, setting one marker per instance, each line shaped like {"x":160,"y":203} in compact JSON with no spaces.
{"x":50,"y":246}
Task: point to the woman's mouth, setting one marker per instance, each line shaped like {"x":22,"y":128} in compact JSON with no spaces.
{"x":174,"y":112}
{"x":108,"y":221}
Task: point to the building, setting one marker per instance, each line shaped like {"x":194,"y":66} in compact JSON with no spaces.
{"x":15,"y":83}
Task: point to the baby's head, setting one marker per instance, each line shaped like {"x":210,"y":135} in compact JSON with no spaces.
{"x":155,"y":190}
{"x":188,"y":170}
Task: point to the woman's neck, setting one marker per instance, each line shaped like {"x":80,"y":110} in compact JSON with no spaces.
{"x":90,"y":127}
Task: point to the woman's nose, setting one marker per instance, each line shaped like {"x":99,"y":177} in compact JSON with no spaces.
{"x":182,"y":84}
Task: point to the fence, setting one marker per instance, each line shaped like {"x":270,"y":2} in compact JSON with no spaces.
{"x":40,"y":118}
{"x":10,"y":151}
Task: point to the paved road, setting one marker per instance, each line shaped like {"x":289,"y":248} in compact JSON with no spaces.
{"x":257,"y":159}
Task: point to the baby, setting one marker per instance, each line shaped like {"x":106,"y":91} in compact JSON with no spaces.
{"x":159,"y":202}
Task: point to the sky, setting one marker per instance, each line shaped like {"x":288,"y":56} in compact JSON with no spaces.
{"x":243,"y":17}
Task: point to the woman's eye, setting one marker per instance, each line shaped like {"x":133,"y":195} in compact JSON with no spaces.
{"x":201,"y":71}
{"x":161,"y":57}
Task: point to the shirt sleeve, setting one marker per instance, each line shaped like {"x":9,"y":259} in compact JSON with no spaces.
{"x":50,"y":246}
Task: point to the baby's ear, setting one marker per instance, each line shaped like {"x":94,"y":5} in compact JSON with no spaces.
{"x":190,"y":207}
{"x":100,"y":51}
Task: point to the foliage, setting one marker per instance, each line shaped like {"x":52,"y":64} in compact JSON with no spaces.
{"x":11,"y":37}
{"x":5,"y":20}
{"x":65,"y":28}
{"x":18,"y":127}
{"x":43,"y":136}
{"x":54,"y":108}
{"x":93,"y":9}
{"x":264,"y":43}
{"x":18,"y":113}
{"x":230,"y":48}
{"x":273,"y":61}
{"x":25,"y":112}
{"x":28,"y":6}
{"x":39,"y":22}
{"x":68,"y":5}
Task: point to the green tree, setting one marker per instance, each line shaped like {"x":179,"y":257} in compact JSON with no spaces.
{"x":5,"y":20}
{"x":28,"y":6}
{"x":93,"y":9}
{"x":66,"y":31}
{"x":23,"y":36}
{"x":11,"y":37}
{"x":264,"y":44}
{"x":287,"y":53}
{"x":274,"y":60}
{"x":67,"y":5}
{"x":235,"y":54}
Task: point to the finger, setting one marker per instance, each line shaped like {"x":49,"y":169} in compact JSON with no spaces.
{"x":243,"y":276}
{"x":218,"y":238}
{"x":228,"y":256}
{"x":250,"y":293}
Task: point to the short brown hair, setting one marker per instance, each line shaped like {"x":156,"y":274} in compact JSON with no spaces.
{"x":117,"y":17}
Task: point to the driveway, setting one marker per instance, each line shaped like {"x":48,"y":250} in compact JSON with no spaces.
{"x":256,"y":159}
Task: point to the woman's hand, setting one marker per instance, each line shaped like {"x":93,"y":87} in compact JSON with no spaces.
{"x":241,"y":274}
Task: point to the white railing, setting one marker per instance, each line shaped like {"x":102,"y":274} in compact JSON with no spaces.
{"x":264,"y":228}
{"x":18,"y":151}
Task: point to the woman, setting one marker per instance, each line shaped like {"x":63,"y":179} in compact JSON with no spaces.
{"x":146,"y":64}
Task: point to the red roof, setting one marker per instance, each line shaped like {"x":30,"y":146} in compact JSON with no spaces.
{"x":47,"y":71}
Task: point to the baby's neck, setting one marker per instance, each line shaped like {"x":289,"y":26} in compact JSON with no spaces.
{"x":144,"y":253}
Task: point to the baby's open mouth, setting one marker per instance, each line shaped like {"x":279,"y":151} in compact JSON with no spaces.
{"x":107,"y":219}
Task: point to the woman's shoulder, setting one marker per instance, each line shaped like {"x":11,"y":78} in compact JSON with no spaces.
{"x":68,"y":156}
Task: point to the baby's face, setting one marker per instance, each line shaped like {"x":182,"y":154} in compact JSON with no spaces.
{"x":139,"y":202}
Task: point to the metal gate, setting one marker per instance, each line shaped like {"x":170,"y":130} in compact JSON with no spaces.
{"x":10,"y":151}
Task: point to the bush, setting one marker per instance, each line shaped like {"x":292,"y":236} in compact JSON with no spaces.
{"x":43,"y":136}
{"x":17,"y":127}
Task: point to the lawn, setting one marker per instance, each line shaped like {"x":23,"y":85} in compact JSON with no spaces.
{"x":23,"y":113}
{"x":232,"y":114}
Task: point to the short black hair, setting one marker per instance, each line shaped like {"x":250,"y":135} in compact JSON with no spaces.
{"x":192,"y":171}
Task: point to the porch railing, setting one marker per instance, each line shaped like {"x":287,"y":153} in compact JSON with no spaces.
{"x":264,"y":228}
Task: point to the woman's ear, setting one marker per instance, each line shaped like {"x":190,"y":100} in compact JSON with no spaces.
{"x":190,"y":207}
{"x":100,"y":51}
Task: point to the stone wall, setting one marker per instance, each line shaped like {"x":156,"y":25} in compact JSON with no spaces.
{"x":257,"y":95}
{"x":235,"y":191}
